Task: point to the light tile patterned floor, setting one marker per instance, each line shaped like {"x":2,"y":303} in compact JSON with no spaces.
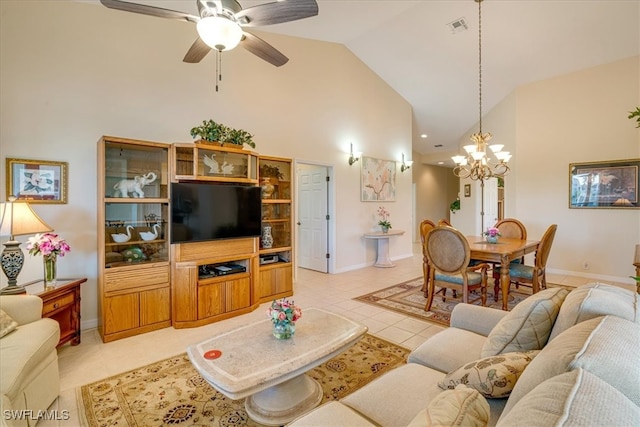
{"x":93,"y":360}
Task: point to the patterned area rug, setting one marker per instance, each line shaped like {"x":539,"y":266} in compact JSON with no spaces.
{"x":407,"y":298}
{"x":171,"y":392}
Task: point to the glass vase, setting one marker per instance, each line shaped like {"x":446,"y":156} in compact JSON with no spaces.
{"x":50,"y":270}
{"x":492,"y":239}
{"x":284,"y":330}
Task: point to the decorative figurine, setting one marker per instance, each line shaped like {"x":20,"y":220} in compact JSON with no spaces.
{"x":134,"y":185}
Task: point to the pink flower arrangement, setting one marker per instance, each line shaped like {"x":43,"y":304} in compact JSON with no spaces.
{"x":48,"y":244}
{"x":384,"y":217}
{"x":492,"y":232}
{"x":283,"y":311}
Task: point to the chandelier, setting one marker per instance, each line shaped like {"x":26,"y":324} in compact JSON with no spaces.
{"x":476,"y":164}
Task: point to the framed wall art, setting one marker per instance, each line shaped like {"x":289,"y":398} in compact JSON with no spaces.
{"x":37,"y":181}
{"x":378,"y":180}
{"x":467,"y":190}
{"x":607,"y":184}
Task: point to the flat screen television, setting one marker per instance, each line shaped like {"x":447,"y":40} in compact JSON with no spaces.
{"x":206,"y":211}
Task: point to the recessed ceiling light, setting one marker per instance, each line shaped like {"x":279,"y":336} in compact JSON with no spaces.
{"x":424,"y":135}
{"x":441,"y":163}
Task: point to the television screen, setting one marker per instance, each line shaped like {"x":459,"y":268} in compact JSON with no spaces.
{"x":204,"y":211}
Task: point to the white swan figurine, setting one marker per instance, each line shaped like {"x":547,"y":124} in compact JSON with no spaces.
{"x":121,"y":237}
{"x":150,"y":235}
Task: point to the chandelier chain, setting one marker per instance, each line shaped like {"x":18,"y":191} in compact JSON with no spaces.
{"x":480,"y":61}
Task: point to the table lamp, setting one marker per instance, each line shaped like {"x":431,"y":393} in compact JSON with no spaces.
{"x":16,"y":219}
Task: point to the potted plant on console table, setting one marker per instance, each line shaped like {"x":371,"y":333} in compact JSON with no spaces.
{"x":212,"y":132}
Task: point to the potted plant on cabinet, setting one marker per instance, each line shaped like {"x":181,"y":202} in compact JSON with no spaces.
{"x":210,"y":131}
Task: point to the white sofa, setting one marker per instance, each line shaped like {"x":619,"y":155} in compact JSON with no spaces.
{"x":29,"y":378}
{"x":560,"y":358}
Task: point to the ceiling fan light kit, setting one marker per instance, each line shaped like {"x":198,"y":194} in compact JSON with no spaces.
{"x":219,"y":33}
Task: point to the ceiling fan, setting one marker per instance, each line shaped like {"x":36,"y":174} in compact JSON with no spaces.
{"x":221,"y":24}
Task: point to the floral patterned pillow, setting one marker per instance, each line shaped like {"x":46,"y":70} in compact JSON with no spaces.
{"x":493,"y":376}
{"x":7,"y":324}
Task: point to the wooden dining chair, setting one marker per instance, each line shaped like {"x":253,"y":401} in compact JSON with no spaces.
{"x":449,"y":256}
{"x":425,"y":227}
{"x":509,"y":228}
{"x":444,"y":221}
{"x":535,"y":275}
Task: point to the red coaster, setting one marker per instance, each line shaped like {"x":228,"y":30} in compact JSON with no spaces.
{"x":212,"y":354}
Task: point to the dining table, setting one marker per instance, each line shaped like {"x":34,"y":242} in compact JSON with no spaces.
{"x":502,"y":252}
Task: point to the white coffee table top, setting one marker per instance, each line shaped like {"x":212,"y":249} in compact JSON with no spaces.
{"x":251,"y":359}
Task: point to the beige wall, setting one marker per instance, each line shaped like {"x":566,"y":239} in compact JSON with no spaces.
{"x":72,"y":72}
{"x":578,"y":117}
{"x":436,"y":189}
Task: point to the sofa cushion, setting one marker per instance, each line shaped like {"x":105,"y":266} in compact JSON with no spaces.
{"x":493,"y":376}
{"x":331,"y":414}
{"x":461,"y":406}
{"x":395,"y":398}
{"x":528,"y":325}
{"x":607,"y":347}
{"x":448,"y":349}
{"x":595,"y":300}
{"x":7,"y":324}
{"x":24,"y":351}
{"x":576,"y":398}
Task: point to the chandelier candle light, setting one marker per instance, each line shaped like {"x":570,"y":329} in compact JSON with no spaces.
{"x":50,"y":245}
{"x":476,"y":165}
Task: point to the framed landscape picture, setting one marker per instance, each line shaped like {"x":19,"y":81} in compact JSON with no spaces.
{"x":608,"y":184}
{"x":378,"y":180}
{"x":37,"y":181}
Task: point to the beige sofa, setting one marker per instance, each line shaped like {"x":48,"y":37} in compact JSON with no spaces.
{"x":29,"y":379}
{"x":558,"y":358}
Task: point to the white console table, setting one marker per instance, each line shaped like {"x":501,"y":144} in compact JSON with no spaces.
{"x":383,"y":259}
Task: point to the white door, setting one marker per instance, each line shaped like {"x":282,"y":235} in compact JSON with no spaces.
{"x":313,"y":218}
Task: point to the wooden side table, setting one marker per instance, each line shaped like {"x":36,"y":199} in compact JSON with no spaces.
{"x":62,"y":304}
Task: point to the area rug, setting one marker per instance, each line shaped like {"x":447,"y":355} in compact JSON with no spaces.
{"x":407,"y":298}
{"x":172,"y":393}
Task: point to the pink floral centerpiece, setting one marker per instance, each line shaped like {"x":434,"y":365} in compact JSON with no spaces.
{"x":492,"y":235}
{"x":384,"y":219}
{"x":283,"y":315}
{"x":50,"y":246}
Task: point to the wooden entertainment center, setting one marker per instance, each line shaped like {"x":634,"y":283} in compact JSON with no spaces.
{"x":147,"y":283}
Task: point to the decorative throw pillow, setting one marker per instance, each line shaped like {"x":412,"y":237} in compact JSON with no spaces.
{"x":7,"y":324}
{"x":493,"y":376}
{"x":528,"y":325}
{"x":461,"y":406}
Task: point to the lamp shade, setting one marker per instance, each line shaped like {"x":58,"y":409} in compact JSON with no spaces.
{"x":18,"y":219}
{"x":219,"y":33}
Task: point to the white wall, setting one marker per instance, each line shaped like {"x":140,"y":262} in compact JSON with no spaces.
{"x":578,"y":117}
{"x":72,"y":72}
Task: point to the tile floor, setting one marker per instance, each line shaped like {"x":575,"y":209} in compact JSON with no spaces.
{"x":93,"y":360}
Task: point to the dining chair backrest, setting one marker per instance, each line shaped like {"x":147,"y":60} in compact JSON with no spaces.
{"x":448,"y":250}
{"x":444,"y":221}
{"x":512,"y":228}
{"x":425,"y":227}
{"x":544,"y":247}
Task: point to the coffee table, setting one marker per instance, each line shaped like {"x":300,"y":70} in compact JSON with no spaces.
{"x":249,"y":362}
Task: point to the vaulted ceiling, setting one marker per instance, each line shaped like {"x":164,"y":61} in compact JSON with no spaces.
{"x":410,"y":45}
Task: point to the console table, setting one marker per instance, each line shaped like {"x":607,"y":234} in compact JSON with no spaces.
{"x":383,"y":259}
{"x":62,"y":304}
{"x":250,"y":362}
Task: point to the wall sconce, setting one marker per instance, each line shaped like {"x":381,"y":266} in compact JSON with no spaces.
{"x":16,"y":219}
{"x":405,"y":165}
{"x":354,"y":157}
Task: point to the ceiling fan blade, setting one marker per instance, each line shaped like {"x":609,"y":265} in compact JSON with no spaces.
{"x":277,"y":12}
{"x":149,"y":10}
{"x":196,"y":52}
{"x":262,"y":49}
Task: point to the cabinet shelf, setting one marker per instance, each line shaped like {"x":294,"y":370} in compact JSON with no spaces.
{"x":137,"y":242}
{"x":224,"y":278}
{"x":269,"y":201}
{"x":275,"y":250}
{"x":145,"y":200}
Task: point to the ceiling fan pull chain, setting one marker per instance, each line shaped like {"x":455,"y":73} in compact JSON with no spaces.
{"x":218,"y":66}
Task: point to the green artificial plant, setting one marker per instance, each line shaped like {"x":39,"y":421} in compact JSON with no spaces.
{"x":635,"y":114}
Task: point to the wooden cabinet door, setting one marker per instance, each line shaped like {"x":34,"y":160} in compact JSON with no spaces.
{"x":155,"y":306}
{"x":121,"y":313}
{"x":275,"y":281}
{"x":238,"y":294}
{"x":184,"y":282}
{"x":210,"y":300}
